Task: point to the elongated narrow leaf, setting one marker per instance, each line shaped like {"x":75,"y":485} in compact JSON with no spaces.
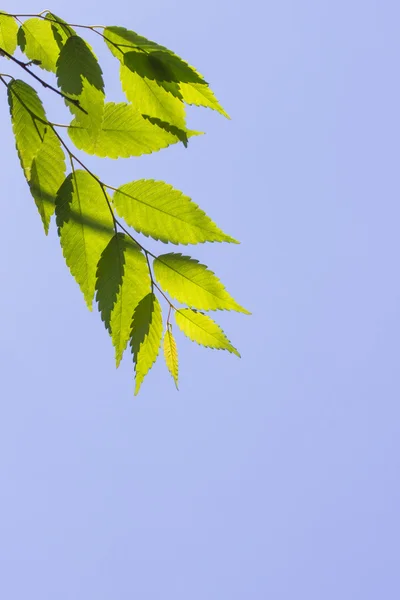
{"x":28,"y":122}
{"x":39,"y":149}
{"x":156,"y":209}
{"x":8,"y":33}
{"x":200,"y":94}
{"x":123,"y":133}
{"x":85,"y":227}
{"x":152,"y":99}
{"x":36,"y":40}
{"x":171,"y":354}
{"x":202,"y":329}
{"x":191,"y":283}
{"x":47,"y":174}
{"x":122,"y":281}
{"x":146,"y":336}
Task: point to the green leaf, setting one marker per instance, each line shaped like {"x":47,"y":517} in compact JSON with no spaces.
{"x":85,"y":227}
{"x":150,"y":61}
{"x":201,"y":95}
{"x":147,"y":58}
{"x":122,"y":281}
{"x":36,"y":40}
{"x":47,"y":174}
{"x":39,"y":149}
{"x":80,"y":77}
{"x":191,"y":283}
{"x":156,"y":209}
{"x":61,"y":30}
{"x":8,"y":33}
{"x":123,"y":133}
{"x":152,"y":99}
{"x":202,"y":329}
{"x":76,"y":63}
{"x":182,"y":134}
{"x":28,"y":121}
{"x":171,"y":354}
{"x":146,"y":336}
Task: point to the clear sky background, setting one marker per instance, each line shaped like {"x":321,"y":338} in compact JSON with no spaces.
{"x":274,"y":476}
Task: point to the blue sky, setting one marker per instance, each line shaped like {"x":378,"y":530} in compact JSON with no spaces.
{"x":274,"y":476}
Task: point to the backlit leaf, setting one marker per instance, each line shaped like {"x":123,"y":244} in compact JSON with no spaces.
{"x":202,"y":329}
{"x":123,"y":133}
{"x":171,"y":354}
{"x":61,"y":30}
{"x":85,"y":227}
{"x":79,"y":76}
{"x":8,"y":33}
{"x":28,"y":121}
{"x":47,"y":174}
{"x":36,"y":40}
{"x":76,"y":63}
{"x":156,"y":209}
{"x":147,"y":58}
{"x":39,"y":149}
{"x":191,"y":283}
{"x":122,"y":281}
{"x":201,"y":95}
{"x":152,"y":99}
{"x":146,"y":336}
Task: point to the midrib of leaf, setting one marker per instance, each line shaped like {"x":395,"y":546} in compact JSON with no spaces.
{"x":168,"y":214}
{"x":82,"y":227}
{"x":191,"y":280}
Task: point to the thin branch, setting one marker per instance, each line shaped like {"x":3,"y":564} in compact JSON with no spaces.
{"x":24,"y":66}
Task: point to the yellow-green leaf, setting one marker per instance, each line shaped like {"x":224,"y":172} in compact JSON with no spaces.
{"x":123,"y":133}
{"x":122,"y":280}
{"x":76,"y":63}
{"x":8,"y":33}
{"x":191,"y":283}
{"x":36,"y":40}
{"x":202,"y":329}
{"x":156,"y":209}
{"x":171,"y":354}
{"x":39,"y":149}
{"x":152,"y":99}
{"x":85,"y":227}
{"x":79,"y":76}
{"x":200,"y":94}
{"x":61,"y":30}
{"x":146,"y":336}
{"x":28,"y":121}
{"x":47,"y":174}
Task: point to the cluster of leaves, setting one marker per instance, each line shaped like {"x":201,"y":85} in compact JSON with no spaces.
{"x":107,"y":262}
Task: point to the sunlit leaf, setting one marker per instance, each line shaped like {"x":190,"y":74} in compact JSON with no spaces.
{"x":8,"y":33}
{"x":171,"y":354}
{"x":47,"y":174}
{"x":28,"y":121}
{"x":36,"y":40}
{"x":156,"y":209}
{"x":191,"y":283}
{"x":123,"y":133}
{"x":146,"y":336}
{"x":201,"y":95}
{"x":122,"y":280}
{"x":85,"y":227}
{"x":202,"y":329}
